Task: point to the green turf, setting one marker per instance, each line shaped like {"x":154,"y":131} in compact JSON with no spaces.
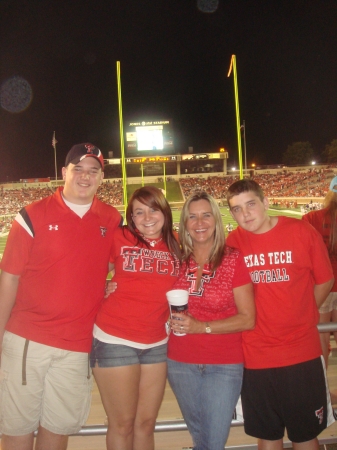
{"x":226,"y":217}
{"x":173,"y":192}
{"x":3,"y":241}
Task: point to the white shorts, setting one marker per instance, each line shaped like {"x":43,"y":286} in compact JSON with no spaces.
{"x":329,"y":304}
{"x":57,"y":393}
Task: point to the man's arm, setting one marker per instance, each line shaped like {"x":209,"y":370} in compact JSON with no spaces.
{"x":8,"y":288}
{"x":321,"y":291}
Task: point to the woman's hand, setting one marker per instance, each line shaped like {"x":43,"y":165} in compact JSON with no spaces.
{"x":110,"y":287}
{"x":185,"y":323}
{"x":243,"y":320}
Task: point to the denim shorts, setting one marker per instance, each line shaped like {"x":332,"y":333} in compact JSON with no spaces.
{"x":115,"y":355}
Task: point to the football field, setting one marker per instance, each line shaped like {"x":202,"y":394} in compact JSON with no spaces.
{"x":226,"y":218}
{"x":2,"y":244}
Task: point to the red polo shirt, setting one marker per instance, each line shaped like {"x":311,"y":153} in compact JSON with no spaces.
{"x":62,"y":261}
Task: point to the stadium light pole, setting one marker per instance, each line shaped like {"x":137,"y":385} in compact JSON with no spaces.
{"x":244,"y":143}
{"x":164,"y":170}
{"x":54,"y":142}
{"x":142,"y":170}
{"x":121,"y":132}
{"x":236,"y":95}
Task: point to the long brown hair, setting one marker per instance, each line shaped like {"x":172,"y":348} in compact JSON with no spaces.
{"x":217,"y":250}
{"x":153,"y":198}
{"x":330,"y":202}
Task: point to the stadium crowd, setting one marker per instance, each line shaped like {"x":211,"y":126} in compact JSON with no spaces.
{"x":111,"y":193}
{"x":12,"y":200}
{"x":308,"y":183}
{"x":313,"y":183}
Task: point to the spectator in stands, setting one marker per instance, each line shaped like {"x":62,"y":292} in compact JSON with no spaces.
{"x":229,"y":227}
{"x":15,"y":199}
{"x":284,"y":383}
{"x":287,"y":185}
{"x":205,"y":366}
{"x":325,"y":222}
{"x":51,"y":285}
{"x":110,"y":193}
{"x":128,"y":355}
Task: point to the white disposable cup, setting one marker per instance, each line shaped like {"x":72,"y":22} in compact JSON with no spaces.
{"x":178,"y":302}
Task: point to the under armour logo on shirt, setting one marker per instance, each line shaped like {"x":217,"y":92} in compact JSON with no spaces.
{"x":55,"y":227}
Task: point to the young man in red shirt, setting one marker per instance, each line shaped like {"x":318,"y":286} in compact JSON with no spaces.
{"x":284,"y":384}
{"x":51,"y":286}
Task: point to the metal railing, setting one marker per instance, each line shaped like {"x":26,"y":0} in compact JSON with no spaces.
{"x":180,"y":425}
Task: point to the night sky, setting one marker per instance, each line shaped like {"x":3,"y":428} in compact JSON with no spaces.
{"x":174,"y":63}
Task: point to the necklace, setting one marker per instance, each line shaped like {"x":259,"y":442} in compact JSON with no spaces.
{"x":200,"y":265}
{"x":153,"y":242}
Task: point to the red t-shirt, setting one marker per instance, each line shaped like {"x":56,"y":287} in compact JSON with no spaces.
{"x":138,"y":309}
{"x":62,"y":261}
{"x":285,"y":263}
{"x":321,"y":220}
{"x":214,"y":300}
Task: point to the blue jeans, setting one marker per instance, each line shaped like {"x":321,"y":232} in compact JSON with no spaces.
{"x":207,"y":395}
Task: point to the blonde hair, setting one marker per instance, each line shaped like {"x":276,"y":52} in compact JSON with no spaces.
{"x":217,"y":250}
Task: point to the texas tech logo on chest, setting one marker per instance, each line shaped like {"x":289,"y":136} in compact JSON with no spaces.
{"x":103,"y":231}
{"x":144,"y":260}
{"x":206,"y":277}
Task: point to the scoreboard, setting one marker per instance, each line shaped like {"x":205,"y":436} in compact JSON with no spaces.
{"x":168,"y":158}
{"x":150,"y":159}
{"x":149,"y":137}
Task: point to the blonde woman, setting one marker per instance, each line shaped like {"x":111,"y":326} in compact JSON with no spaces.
{"x":205,"y":366}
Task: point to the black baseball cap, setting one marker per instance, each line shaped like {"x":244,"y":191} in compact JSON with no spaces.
{"x":80,"y":151}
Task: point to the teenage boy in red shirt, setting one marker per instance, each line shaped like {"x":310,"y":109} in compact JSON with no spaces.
{"x":284,"y":384}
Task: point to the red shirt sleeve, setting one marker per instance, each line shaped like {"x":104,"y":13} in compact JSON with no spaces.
{"x":241,"y":274}
{"x":17,"y":250}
